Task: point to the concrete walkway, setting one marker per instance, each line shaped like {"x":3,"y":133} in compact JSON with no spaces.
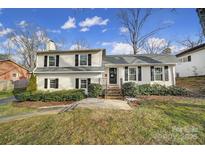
{"x":7,"y":100}
{"x":96,"y":103}
{"x":92,"y":103}
{"x":29,"y":115}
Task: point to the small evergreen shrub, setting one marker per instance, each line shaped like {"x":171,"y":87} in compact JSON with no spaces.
{"x":32,"y":85}
{"x":57,"y":96}
{"x":94,"y":90}
{"x":130,"y":89}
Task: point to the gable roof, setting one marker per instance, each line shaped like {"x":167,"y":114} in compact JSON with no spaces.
{"x":140,"y":59}
{"x":194,"y":49}
{"x":3,"y":60}
{"x":70,"y":51}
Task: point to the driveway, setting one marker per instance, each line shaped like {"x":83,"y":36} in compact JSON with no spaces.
{"x":95,"y":103}
{"x":7,"y":100}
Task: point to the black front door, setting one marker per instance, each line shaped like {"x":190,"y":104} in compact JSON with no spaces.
{"x":113,"y":75}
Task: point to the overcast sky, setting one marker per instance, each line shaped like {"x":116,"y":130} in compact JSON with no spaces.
{"x":100,"y":27}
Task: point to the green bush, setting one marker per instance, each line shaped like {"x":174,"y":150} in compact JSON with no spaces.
{"x":57,"y":96}
{"x":32,"y":85}
{"x":130,"y":89}
{"x":94,"y":90}
{"x":178,"y":91}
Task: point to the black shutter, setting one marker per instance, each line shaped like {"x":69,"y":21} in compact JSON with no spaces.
{"x":76,"y":83}
{"x":89,"y":81}
{"x":152,"y":73}
{"x":89,"y":59}
{"x":126,"y":73}
{"x":189,"y":58}
{"x":166,"y":73}
{"x":45,"y":61}
{"x":76,"y":60}
{"x":57,"y":60}
{"x":45,"y":83}
{"x":56,"y":83}
{"x":139,"y":73}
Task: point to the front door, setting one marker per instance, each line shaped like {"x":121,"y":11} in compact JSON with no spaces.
{"x":113,"y":75}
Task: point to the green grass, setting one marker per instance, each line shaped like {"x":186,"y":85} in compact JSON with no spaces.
{"x":5,"y":94}
{"x":10,"y":110}
{"x":176,"y":121}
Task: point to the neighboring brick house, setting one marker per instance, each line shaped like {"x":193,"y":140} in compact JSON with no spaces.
{"x":10,"y":70}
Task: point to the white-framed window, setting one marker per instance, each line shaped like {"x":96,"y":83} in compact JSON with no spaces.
{"x":14,"y":75}
{"x":158,"y":73}
{"x":185,"y":59}
{"x":51,"y":60}
{"x":83,"y":84}
{"x":132,"y":74}
{"x":54,"y":83}
{"x":84,"y":60}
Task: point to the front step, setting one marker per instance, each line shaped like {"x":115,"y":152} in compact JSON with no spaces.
{"x":114,"y":97}
{"x":114,"y":92}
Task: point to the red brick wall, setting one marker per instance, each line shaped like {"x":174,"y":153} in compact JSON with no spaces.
{"x":9,"y":68}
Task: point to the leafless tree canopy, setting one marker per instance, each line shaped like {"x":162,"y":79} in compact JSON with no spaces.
{"x":80,"y":44}
{"x":156,"y":47}
{"x":26,"y":41}
{"x":134,"y":20}
{"x":190,"y":43}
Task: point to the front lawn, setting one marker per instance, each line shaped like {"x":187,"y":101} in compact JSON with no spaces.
{"x":5,"y":94}
{"x":158,"y":120}
{"x":10,"y":109}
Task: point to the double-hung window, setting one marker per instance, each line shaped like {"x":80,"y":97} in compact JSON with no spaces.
{"x":54,"y":83}
{"x":132,"y":74}
{"x":52,"y":61}
{"x":83,"y":60}
{"x":158,"y":73}
{"x":83,"y":83}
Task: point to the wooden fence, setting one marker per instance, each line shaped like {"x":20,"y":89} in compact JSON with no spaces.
{"x":6,"y":85}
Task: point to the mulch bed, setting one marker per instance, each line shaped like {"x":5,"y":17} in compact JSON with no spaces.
{"x":40,"y":104}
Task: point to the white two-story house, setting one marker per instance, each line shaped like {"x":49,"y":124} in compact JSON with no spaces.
{"x":58,"y":70}
{"x":191,"y":62}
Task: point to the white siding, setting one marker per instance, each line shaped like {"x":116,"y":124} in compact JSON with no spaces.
{"x":194,"y":68}
{"x":146,"y":76}
{"x":68,"y":59}
{"x":66,"y":81}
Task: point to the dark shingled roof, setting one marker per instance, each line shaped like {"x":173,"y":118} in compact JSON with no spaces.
{"x":140,"y":59}
{"x":68,"y":69}
{"x":70,"y":51}
{"x":191,"y":50}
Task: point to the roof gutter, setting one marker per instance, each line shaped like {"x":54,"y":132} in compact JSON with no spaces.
{"x":69,"y":72}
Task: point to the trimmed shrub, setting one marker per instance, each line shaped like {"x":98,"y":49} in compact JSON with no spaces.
{"x":130,"y":89}
{"x":178,"y":91}
{"x":57,"y":96}
{"x":94,"y":90}
{"x":32,"y":85}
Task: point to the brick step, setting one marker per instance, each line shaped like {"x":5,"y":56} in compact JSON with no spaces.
{"x":114,"y":94}
{"x":114,"y":91}
{"x":114,"y":97}
{"x":113,"y":87}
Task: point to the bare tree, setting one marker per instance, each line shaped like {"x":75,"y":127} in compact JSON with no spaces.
{"x":26,"y":41}
{"x":134,"y":21}
{"x":190,"y":43}
{"x":80,"y":44}
{"x":157,"y":46}
{"x":7,"y":47}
